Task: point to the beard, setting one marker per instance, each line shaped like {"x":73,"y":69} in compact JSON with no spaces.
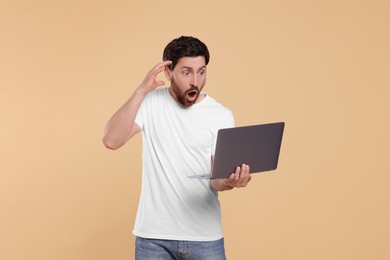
{"x":186,"y":98}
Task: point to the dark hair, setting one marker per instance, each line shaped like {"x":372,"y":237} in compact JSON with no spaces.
{"x":185,"y":46}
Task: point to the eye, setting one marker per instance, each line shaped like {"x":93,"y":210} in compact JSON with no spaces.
{"x":186,"y":73}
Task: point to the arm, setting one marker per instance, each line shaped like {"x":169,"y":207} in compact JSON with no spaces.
{"x":121,"y":127}
{"x":240,"y":178}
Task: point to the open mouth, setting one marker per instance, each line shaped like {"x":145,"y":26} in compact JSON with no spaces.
{"x":192,"y":95}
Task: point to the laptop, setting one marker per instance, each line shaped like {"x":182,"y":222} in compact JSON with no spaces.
{"x":256,"y":145}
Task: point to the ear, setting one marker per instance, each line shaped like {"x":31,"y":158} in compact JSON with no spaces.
{"x":168,"y":73}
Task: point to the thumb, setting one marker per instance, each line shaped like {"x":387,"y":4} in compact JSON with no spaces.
{"x":159,"y":83}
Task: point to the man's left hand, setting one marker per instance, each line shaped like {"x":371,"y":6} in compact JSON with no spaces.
{"x":238,"y":179}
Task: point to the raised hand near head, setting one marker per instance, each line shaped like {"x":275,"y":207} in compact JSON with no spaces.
{"x":150,"y":83}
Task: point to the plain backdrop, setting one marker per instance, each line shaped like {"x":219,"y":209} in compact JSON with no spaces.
{"x":320,"y":66}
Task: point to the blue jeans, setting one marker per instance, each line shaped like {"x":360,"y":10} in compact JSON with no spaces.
{"x":157,"y":249}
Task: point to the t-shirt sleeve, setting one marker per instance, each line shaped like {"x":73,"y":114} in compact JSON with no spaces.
{"x":228,"y":122}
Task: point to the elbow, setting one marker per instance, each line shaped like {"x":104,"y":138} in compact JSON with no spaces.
{"x":109,"y":144}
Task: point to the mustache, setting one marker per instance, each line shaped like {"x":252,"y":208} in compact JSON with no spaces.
{"x":192,"y":89}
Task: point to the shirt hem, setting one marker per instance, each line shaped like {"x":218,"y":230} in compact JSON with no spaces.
{"x":174,"y":237}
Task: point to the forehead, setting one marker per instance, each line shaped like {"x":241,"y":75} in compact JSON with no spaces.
{"x":191,"y":62}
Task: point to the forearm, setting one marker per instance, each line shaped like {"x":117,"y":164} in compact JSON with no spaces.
{"x":120,"y":128}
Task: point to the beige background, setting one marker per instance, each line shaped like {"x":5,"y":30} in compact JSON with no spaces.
{"x":320,"y":66}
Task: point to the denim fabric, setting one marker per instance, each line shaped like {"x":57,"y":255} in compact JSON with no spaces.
{"x":158,"y":249}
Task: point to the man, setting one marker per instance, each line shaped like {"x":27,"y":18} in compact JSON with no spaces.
{"x":178,"y":217}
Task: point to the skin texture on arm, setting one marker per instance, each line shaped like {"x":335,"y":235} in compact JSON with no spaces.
{"x":121,"y":127}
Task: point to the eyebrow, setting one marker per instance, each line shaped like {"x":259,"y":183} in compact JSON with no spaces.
{"x":190,"y":68}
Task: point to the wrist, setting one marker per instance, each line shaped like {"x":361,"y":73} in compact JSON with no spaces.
{"x":140,"y":91}
{"x":221,"y":185}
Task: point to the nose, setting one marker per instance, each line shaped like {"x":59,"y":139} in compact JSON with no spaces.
{"x":194,"y":81}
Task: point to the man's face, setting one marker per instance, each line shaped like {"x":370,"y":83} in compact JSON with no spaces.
{"x":187,"y":80}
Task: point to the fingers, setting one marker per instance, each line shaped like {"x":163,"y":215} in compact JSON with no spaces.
{"x":149,"y":83}
{"x":160,"y":83}
{"x":237,"y":174}
{"x":159,"y":67}
{"x":241,"y":176}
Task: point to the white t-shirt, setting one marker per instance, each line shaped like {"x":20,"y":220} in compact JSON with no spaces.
{"x":178,"y":142}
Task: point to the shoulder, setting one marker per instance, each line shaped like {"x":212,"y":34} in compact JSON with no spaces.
{"x":218,"y":112}
{"x":155,"y":95}
{"x":158,"y":92}
{"x":211,"y":103}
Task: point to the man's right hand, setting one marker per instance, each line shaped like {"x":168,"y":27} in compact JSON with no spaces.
{"x":150,"y":83}
{"x":121,"y":126}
